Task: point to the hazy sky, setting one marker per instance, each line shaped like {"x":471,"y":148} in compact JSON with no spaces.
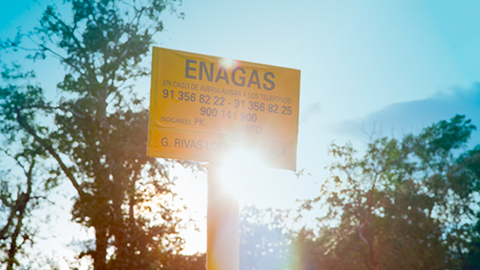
{"x":389,"y":67}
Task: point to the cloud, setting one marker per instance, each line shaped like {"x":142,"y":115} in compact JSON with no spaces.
{"x":399,"y":119}
{"x":310,"y":111}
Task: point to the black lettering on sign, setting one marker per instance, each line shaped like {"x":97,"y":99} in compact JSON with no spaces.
{"x":242,"y":78}
{"x":203,"y":67}
{"x":188,"y":69}
{"x":254,"y":79}
{"x":270,"y":82}
{"x":222,"y":77}
{"x":200,"y":70}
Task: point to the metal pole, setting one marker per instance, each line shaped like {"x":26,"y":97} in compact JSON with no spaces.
{"x":222,"y":225}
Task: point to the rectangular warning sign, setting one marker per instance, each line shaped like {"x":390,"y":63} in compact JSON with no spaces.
{"x":202,"y":107}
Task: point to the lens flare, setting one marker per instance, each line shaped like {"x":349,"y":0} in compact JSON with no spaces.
{"x":228,"y":64}
{"x":243,"y":174}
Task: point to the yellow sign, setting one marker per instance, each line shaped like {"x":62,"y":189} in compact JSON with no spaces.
{"x":202,"y":107}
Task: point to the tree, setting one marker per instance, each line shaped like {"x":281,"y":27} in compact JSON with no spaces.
{"x":97,"y":133}
{"x":16,"y":203}
{"x":406,"y":204}
{"x":264,"y":242}
{"x":188,"y":262}
{"x":471,"y":161}
{"x":21,"y":188}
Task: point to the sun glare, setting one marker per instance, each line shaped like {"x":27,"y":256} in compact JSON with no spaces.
{"x":191,"y":192}
{"x":243,"y":174}
{"x":228,"y":64}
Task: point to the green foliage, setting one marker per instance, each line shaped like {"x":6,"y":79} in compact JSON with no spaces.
{"x":96,"y":129}
{"x":20,"y":174}
{"x":18,"y":199}
{"x":408,"y":204}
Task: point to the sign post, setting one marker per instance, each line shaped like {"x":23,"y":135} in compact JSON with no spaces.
{"x":203,"y":107}
{"x":222,"y":225}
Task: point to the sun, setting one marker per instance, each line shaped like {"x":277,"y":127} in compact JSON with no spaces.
{"x":242,"y":175}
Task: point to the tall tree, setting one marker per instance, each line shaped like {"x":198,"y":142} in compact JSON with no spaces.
{"x":406,"y":204}
{"x":17,"y":200}
{"x":22,"y":188}
{"x":97,"y":135}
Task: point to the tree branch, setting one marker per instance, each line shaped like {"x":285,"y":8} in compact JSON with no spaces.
{"x":23,"y":123}
{"x":48,"y":107}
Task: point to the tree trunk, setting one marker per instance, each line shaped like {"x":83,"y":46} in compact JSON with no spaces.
{"x":100,"y":255}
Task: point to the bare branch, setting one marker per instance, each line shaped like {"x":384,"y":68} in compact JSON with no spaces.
{"x":23,"y":123}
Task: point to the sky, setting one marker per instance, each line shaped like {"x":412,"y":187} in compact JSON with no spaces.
{"x":381,"y":68}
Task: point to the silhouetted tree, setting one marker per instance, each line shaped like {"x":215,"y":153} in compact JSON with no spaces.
{"x":96,"y":129}
{"x":406,"y":204}
{"x":17,"y":200}
{"x":23,"y":184}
